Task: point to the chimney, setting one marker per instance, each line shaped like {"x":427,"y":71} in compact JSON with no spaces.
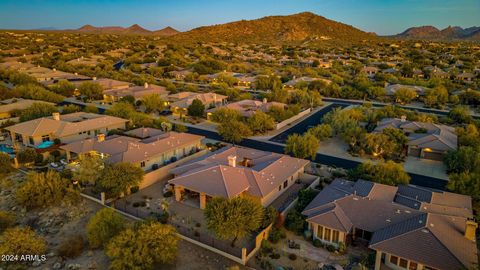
{"x":54,"y":69}
{"x":101,"y":137}
{"x":470,"y":229}
{"x":145,"y":85}
{"x":232,"y":161}
{"x":403,"y":118}
{"x":56,"y":116}
{"x":264,"y":100}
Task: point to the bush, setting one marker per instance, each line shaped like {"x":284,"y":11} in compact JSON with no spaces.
{"x":342,"y":247}
{"x":276,"y":234}
{"x":292,"y":256}
{"x":5,"y":163}
{"x":7,"y":220}
{"x":134,"y":189}
{"x":71,"y":247}
{"x":168,"y":194}
{"x":27,"y":155}
{"x":295,"y":222}
{"x":103,"y":226}
{"x":317,"y":243}
{"x":331,"y":248}
{"x":275,"y":256}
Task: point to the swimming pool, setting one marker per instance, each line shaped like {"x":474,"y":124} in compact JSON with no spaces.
{"x":45,"y":144}
{"x":6,"y":149}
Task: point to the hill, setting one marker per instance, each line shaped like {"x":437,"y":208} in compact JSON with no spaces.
{"x":449,"y":33}
{"x":167,"y":31}
{"x":300,"y":27}
{"x":132,"y":30}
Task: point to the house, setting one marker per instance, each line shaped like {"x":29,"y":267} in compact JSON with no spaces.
{"x":370,"y":71}
{"x":106,"y":84}
{"x":408,"y":227}
{"x":68,"y":128}
{"x":465,"y":77}
{"x":391,"y":89}
{"x":138,"y":92}
{"x":9,"y":106}
{"x":180,"y":74}
{"x":236,"y":171}
{"x":292,"y":83}
{"x":426,"y":140}
{"x":438,"y":73}
{"x":150,"y":149}
{"x":249,"y":107}
{"x":179,"y":102}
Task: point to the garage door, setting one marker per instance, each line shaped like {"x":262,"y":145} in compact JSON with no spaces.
{"x":433,"y":156}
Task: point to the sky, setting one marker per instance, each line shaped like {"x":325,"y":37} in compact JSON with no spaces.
{"x":383,"y":17}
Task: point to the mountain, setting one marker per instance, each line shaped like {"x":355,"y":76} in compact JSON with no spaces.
{"x":167,"y":31}
{"x":302,"y":27}
{"x":132,"y":30}
{"x":449,"y":33}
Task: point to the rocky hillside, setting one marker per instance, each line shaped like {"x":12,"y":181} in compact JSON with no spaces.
{"x":449,"y":33}
{"x":276,"y":29}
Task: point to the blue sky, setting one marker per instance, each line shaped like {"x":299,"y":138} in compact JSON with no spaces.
{"x":380,"y":16}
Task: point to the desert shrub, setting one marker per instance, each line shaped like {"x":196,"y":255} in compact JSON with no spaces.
{"x":71,"y":247}
{"x":292,"y":256}
{"x":276,"y":234}
{"x":331,"y":248}
{"x":317,"y":243}
{"x":103,"y":226}
{"x":295,"y":222}
{"x":7,"y":220}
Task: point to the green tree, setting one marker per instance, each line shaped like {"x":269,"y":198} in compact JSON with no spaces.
{"x":232,"y":219}
{"x":463,"y":160}
{"x":90,"y":109}
{"x":37,"y":92}
{"x":70,"y":109}
{"x":389,"y":173}
{"x":37,"y":110}
{"x":460,"y":114}
{"x":180,"y":128}
{"x":302,"y":146}
{"x":89,"y":170}
{"x":64,"y":88}
{"x":196,"y":109}
{"x":465,"y":183}
{"x":103,"y":226}
{"x":7,"y":220}
{"x":379,"y":145}
{"x":223,"y":115}
{"x":405,"y":95}
{"x":153,"y":102}
{"x":27,"y":155}
{"x":118,"y":178}
{"x":91,"y":90}
{"x":261,"y":122}
{"x":21,"y":241}
{"x":5,"y":164}
{"x":234,"y":131}
{"x":436,"y":97}
{"x":45,"y":189}
{"x":321,"y":132}
{"x":128,"y":249}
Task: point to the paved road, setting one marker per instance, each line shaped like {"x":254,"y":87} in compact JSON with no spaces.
{"x":416,"y":179}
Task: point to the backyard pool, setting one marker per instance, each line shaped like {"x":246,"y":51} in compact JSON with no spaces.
{"x":6,"y":149}
{"x":45,"y":144}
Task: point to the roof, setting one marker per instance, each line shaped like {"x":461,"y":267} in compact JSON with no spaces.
{"x":144,"y":132}
{"x":138,"y":91}
{"x":437,"y":137}
{"x":249,"y":107}
{"x":185,"y":99}
{"x":393,"y":88}
{"x":265,"y":172}
{"x":68,"y":124}
{"x":420,"y":224}
{"x":128,"y":149}
{"x":9,"y":105}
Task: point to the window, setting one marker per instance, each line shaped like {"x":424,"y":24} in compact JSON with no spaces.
{"x":279,"y":187}
{"x":142,"y":164}
{"x":403,"y":263}
{"x":327,"y":235}
{"x":285,"y":184}
{"x":89,"y":132}
{"x":320,"y":232}
{"x":394,"y":260}
{"x":30,"y":140}
{"x":412,"y":266}
{"x":45,"y":138}
{"x":335,"y":236}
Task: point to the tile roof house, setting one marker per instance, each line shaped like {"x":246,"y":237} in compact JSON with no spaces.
{"x":426,"y":140}
{"x":248,"y":107}
{"x":237,"y":171}
{"x":68,"y":128}
{"x":138,"y":92}
{"x":179,"y":102}
{"x":409,"y":227}
{"x":154,"y":150}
